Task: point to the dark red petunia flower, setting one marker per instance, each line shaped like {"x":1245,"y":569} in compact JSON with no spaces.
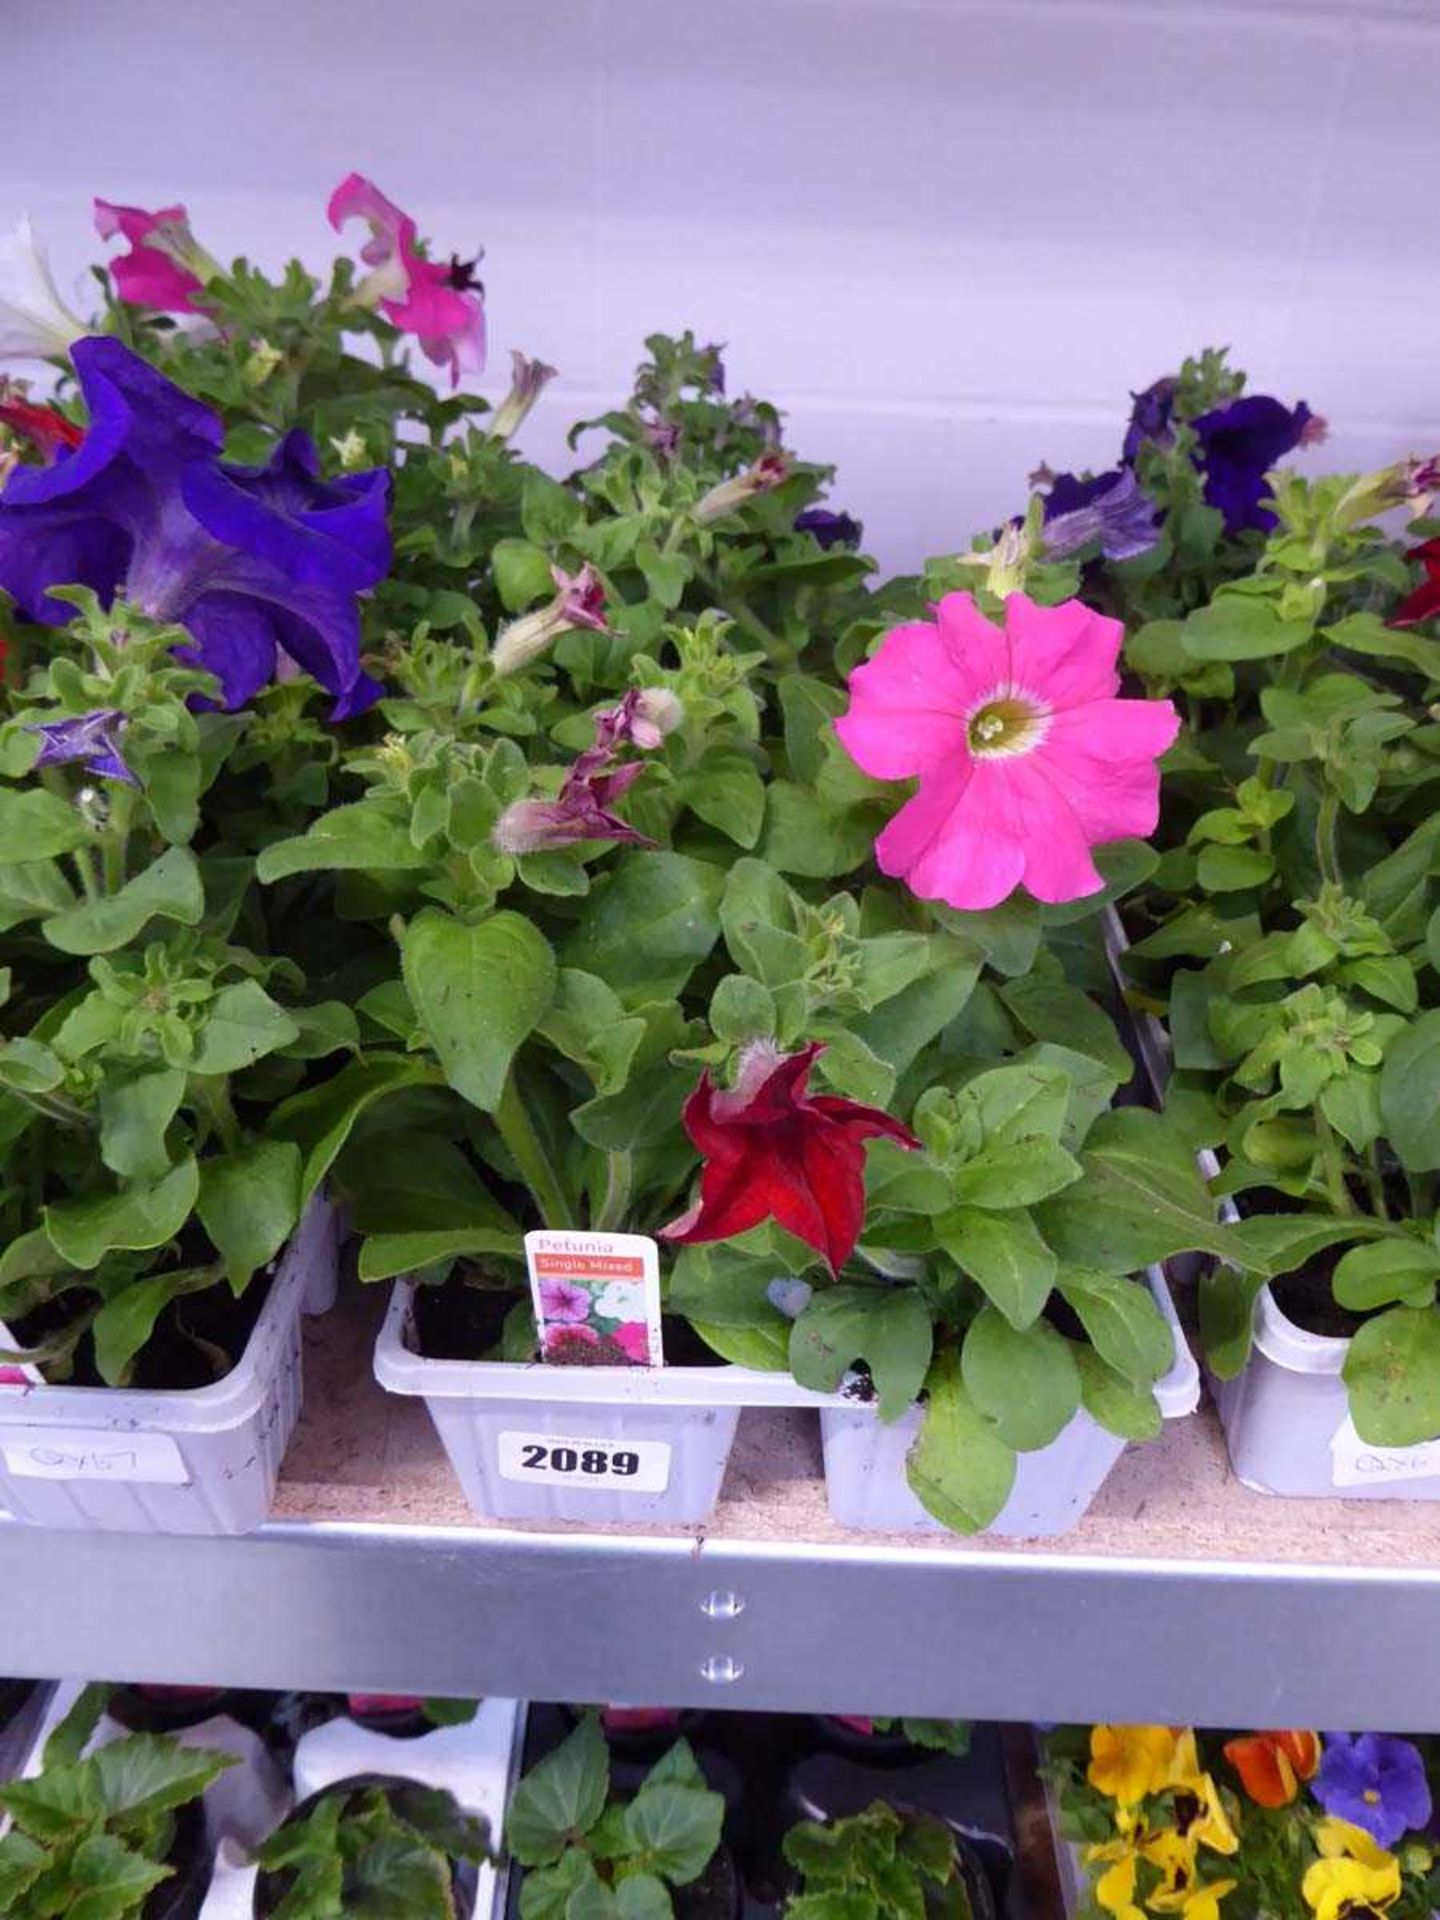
{"x":774,"y":1151}
{"x":45,"y":429}
{"x":1425,"y":600}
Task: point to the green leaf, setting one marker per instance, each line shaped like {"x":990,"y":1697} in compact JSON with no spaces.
{"x":1239,"y":626}
{"x":1140,"y":1198}
{"x":36,"y":824}
{"x":84,"y":1231}
{"x":741,"y":1009}
{"x":640,"y":1896}
{"x":1113,"y":1402}
{"x":366,"y":836}
{"x":244,"y":1025}
{"x":1026,"y":1381}
{"x":545,"y":1892}
{"x":478,"y":992}
{"x":677,"y":1764}
{"x":808,"y":705}
{"x":1005,"y":1255}
{"x":1229,"y":869}
{"x":561,"y":1796}
{"x":168,"y":889}
{"x":726,"y":791}
{"x":21,"y":1862}
{"x":1012,"y":1174}
{"x":137,"y":1104}
{"x":522,"y":574}
{"x":1386,"y":1271}
{"x":958,"y":1469}
{"x":321,"y":1119}
{"x":146,"y":1773}
{"x":675,"y":1828}
{"x":250,"y":1203}
{"x":901,"y":1026}
{"x":646,"y":929}
{"x":383,"y":1255}
{"x":127,"y":1319}
{"x":1122,"y":1321}
{"x":1410,"y":1093}
{"x":1272,"y":1244}
{"x":31,"y":890}
{"x":1393,"y":1373}
{"x":1050,"y":1009}
{"x":886,"y":1327}
{"x":812,"y":837}
{"x":109,"y":1881}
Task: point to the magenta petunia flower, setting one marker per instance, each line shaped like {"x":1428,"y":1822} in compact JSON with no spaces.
{"x":572,"y":1343}
{"x":440,"y":302}
{"x":633,"y":1337}
{"x":563,"y":1303}
{"x":165,"y":266}
{"x":1026,"y":759}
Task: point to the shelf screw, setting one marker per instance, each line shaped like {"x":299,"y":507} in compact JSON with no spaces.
{"x":721,"y":1669}
{"x":723,"y":1604}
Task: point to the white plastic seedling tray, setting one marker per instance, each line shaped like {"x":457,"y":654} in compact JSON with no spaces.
{"x":475,"y":1762}
{"x":646,"y":1445}
{"x":203,"y":1460}
{"x":865,"y":1459}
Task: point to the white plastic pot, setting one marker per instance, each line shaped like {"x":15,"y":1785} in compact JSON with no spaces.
{"x":605,"y":1444}
{"x":865,"y":1458}
{"x":200,"y":1460}
{"x":476,"y":1762}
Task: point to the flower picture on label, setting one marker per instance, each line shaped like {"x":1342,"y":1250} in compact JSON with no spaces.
{"x":596,"y":1299}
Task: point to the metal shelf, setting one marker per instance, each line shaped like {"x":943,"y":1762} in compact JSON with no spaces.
{"x":1181,"y":1597}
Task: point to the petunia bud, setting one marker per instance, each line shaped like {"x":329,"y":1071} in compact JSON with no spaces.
{"x":35,"y":323}
{"x":763,"y":477}
{"x":657,"y":712}
{"x":579,"y":602}
{"x":1407,"y":483}
{"x":529,"y":379}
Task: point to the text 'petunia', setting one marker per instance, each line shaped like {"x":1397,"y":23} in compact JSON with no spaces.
{"x":1025,"y":756}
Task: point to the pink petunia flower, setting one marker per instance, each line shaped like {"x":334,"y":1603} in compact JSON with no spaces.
{"x":166,"y":266}
{"x":634,"y":1337}
{"x":568,"y":1342}
{"x":441,"y":303}
{"x":1026,"y":758}
{"x":562,"y":1302}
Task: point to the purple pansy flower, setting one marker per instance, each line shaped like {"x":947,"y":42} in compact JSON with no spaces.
{"x":1375,"y":1781}
{"x":250,"y":560}
{"x":1239,"y":443}
{"x":563,"y":1303}
{"x":828,"y":529}
{"x":1122,"y":518}
{"x":93,"y":738}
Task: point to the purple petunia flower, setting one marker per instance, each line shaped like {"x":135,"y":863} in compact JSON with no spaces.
{"x":1069,"y":494}
{"x":93,"y":738}
{"x":1239,"y":443}
{"x":1375,"y":1781}
{"x":1149,"y":417}
{"x":828,"y":529}
{"x":563,"y":1303}
{"x":1122,"y":518}
{"x":252,"y":561}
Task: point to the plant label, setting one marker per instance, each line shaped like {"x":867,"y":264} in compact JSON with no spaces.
{"x":568,"y":1460}
{"x":93,"y":1453}
{"x":1357,"y":1464}
{"x":596,"y":1297}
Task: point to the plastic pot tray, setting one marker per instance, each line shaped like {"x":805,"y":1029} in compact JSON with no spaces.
{"x":199,"y":1460}
{"x":605,"y":1444}
{"x":865,"y":1459}
{"x":476,"y":1762}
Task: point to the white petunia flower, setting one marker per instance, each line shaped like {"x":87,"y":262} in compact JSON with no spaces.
{"x":35,"y":323}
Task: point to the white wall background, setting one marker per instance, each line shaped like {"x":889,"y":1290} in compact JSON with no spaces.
{"x":947,"y":235}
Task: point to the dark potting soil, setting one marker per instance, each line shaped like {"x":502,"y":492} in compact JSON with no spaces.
{"x":197,"y":1338}
{"x":460,"y":1321}
{"x":1306,"y":1295}
{"x":271,"y":1887}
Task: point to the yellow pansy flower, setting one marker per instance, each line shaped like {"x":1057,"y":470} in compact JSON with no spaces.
{"x":1127,"y":1763}
{"x":1200,"y":1814}
{"x":1353,"y":1874}
{"x":1115,"y":1889}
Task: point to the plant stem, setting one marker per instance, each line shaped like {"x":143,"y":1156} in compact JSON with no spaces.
{"x":1375,"y":1182}
{"x":547,"y":1189}
{"x":617,"y":1192}
{"x":1327,"y":852}
{"x":1333,"y":1163}
{"x":56,"y":1107}
{"x":212,"y":1093}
